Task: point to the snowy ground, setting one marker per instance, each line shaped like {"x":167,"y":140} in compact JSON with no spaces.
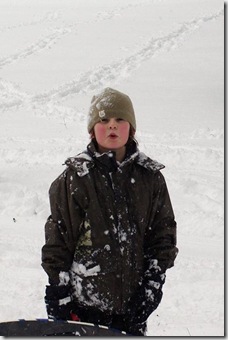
{"x":168,"y":56}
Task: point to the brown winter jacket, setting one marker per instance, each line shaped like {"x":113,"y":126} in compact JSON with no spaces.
{"x":108,"y":221}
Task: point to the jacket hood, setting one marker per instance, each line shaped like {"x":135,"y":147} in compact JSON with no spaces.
{"x":85,"y":161}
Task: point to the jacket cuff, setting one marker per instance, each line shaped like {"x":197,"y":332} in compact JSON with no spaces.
{"x":56,"y":292}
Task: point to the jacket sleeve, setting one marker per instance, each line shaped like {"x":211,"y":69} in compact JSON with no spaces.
{"x":160,"y":252}
{"x":160,"y":237}
{"x":61,"y":229}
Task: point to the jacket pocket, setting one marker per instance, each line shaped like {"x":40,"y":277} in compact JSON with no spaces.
{"x":94,"y":280}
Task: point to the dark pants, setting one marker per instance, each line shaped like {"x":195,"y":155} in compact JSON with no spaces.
{"x":111,"y":321}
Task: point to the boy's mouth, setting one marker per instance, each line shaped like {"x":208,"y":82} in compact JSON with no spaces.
{"x":112,"y":135}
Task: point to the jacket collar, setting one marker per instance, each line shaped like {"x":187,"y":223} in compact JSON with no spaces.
{"x":88,"y":159}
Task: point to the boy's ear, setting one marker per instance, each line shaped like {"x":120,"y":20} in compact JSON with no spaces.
{"x":92,"y":134}
{"x":132,"y":131}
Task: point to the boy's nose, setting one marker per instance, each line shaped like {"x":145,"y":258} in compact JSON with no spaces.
{"x":112,"y":124}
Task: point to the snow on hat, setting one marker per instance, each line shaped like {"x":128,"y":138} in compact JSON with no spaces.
{"x":108,"y":104}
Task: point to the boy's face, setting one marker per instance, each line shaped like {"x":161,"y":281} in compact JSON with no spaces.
{"x":112,"y":133}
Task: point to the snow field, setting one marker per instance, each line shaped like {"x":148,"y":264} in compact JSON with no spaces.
{"x":167,"y":55}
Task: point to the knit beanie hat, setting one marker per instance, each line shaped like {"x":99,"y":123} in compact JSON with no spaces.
{"x":110,"y":103}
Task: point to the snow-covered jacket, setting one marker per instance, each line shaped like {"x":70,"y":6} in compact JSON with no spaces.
{"x":111,"y":224}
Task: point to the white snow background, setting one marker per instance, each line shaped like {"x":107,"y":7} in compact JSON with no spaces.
{"x":167,"y":55}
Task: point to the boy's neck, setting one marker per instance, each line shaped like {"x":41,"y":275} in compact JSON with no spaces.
{"x":120,"y":153}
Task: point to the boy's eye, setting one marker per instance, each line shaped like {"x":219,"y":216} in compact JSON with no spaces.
{"x":104,"y":120}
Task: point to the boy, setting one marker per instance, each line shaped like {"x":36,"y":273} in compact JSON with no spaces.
{"x":111,"y":235}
